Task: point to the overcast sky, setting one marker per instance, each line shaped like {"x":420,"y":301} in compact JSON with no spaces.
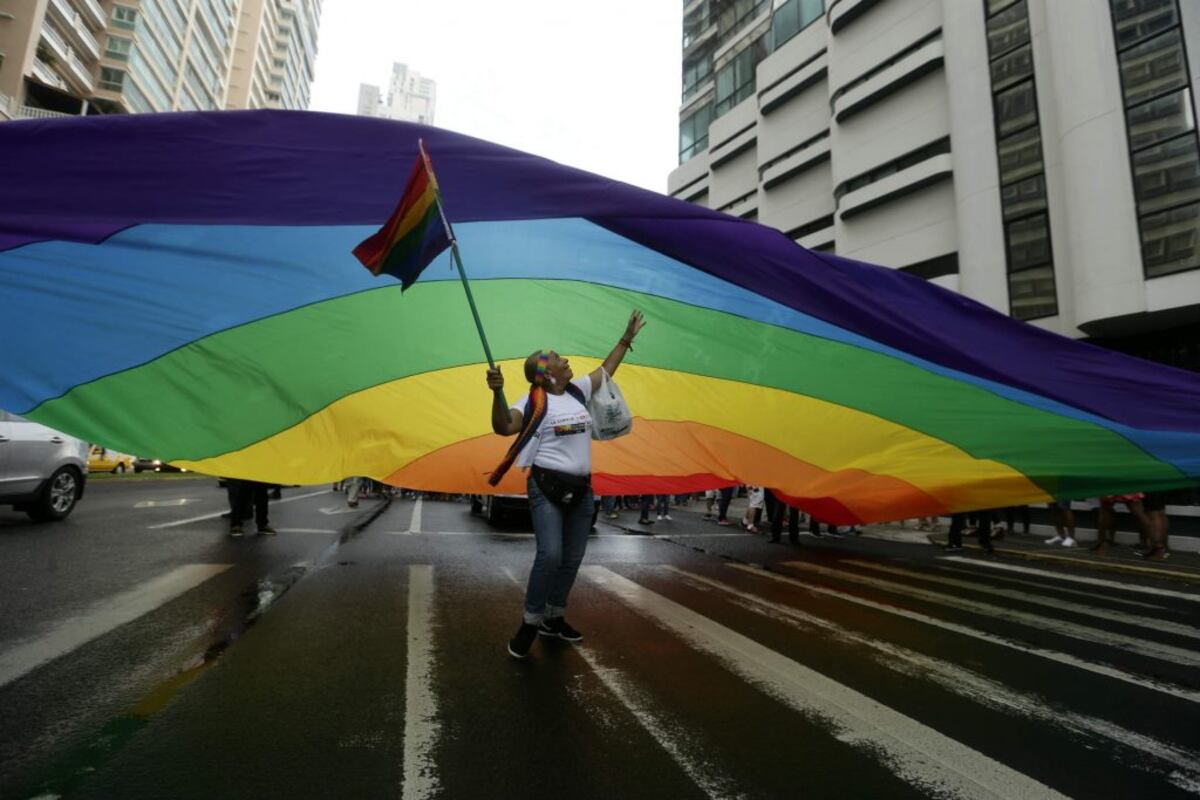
{"x":593,"y":85}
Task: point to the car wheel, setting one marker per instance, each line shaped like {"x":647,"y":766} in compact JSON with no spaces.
{"x":58,"y":498}
{"x":494,"y":515}
{"x":476,"y":505}
{"x":119,"y":469}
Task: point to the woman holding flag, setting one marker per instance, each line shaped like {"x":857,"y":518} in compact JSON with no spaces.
{"x":554,"y":440}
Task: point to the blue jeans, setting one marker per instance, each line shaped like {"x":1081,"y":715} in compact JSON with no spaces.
{"x":561,"y":536}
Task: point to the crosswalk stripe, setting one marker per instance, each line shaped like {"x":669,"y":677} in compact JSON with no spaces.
{"x":1164,"y":652}
{"x":414,"y":526}
{"x":1180,"y":692}
{"x":1124,"y":587}
{"x":1108,"y":598}
{"x":107,"y":615}
{"x":965,"y":682}
{"x":916,"y":753}
{"x":1164,"y":626}
{"x":420,"y":703}
{"x":669,"y":737}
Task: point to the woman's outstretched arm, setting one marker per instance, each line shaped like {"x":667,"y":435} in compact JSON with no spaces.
{"x":636,"y":322}
{"x":505,"y":421}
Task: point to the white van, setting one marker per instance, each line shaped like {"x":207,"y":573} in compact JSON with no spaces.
{"x":42,"y":471}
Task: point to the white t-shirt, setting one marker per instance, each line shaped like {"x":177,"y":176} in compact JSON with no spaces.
{"x":563,"y":442}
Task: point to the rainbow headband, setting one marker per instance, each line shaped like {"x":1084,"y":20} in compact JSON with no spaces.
{"x":543,"y":360}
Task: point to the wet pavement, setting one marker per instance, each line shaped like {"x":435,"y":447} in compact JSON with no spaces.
{"x":361,"y":654}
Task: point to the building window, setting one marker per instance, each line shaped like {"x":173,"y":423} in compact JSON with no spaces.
{"x":735,"y":80}
{"x":696,"y":72}
{"x":793,"y":17}
{"x":1023,"y":205}
{"x":1164,"y":152}
{"x":124,"y":17}
{"x":111,"y":79}
{"x":693,"y":132}
{"x":118,"y":48}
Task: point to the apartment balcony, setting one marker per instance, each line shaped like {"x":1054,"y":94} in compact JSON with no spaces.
{"x":67,"y":64}
{"x":29,"y":112}
{"x":93,"y":13}
{"x":7,"y":106}
{"x":72,"y":22}
{"x":46,"y":74}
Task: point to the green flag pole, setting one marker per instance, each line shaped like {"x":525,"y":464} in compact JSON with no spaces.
{"x":457,"y":258}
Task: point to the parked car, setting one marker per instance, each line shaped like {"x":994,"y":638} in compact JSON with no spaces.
{"x":101,"y":459}
{"x":154,"y":465}
{"x":498,"y":508}
{"x":42,"y":471}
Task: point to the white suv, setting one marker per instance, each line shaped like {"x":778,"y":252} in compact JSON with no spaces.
{"x":42,"y":471}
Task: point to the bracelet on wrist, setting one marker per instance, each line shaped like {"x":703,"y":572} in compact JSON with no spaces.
{"x":628,"y":343}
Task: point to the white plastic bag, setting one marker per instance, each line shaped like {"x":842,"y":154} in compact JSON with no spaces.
{"x":610,"y":414}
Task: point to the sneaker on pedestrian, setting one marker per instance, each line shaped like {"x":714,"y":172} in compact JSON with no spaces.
{"x":613,"y":515}
{"x":353,"y":504}
{"x":1069,"y":542}
{"x":235,"y":531}
{"x":520,"y":644}
{"x":266,"y":530}
{"x":667,"y":518}
{"x":559,"y":628}
{"x":1055,"y":540}
{"x":751,"y":528}
{"x":659,"y":517}
{"x":646,"y":521}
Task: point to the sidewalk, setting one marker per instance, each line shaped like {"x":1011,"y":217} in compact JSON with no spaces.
{"x":687,"y":521}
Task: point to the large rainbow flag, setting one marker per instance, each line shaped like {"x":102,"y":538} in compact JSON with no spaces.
{"x":182,"y":286}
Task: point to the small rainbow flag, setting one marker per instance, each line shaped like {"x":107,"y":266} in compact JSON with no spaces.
{"x":414,"y":234}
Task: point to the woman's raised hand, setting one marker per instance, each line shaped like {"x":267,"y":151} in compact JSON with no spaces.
{"x":495,"y":380}
{"x":636,"y":322}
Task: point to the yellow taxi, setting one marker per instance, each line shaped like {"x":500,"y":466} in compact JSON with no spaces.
{"x":101,"y":459}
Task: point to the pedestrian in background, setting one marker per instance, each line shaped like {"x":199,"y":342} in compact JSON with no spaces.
{"x":1155,"y":506}
{"x":1064,"y":524}
{"x":725,"y":497}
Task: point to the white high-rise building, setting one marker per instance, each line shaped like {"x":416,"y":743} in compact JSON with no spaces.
{"x":410,"y":97}
{"x":68,"y":57}
{"x":1039,"y":156}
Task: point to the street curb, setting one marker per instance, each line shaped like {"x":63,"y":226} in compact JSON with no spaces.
{"x":1103,"y":566}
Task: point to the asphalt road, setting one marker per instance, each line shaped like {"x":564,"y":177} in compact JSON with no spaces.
{"x":360,"y":653}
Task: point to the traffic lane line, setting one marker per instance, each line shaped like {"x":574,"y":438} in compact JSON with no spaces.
{"x":69,"y":634}
{"x":216,"y":514}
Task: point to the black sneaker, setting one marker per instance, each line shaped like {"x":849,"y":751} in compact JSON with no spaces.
{"x":235,"y":531}
{"x":558,"y":626}
{"x":519,"y":645}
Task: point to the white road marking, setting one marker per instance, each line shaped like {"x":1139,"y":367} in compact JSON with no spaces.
{"x":415,"y":525}
{"x":1107,"y":597}
{"x":1181,"y":692}
{"x":967,"y":683}
{"x":421,"y":724}
{"x":219,"y":513}
{"x":19,"y":659}
{"x":180,"y":501}
{"x":668,"y":735}
{"x":914,"y":752}
{"x":1165,"y":626}
{"x":1120,"y":641}
{"x":1124,"y":587}
{"x":304,"y":530}
{"x":332,"y":510}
